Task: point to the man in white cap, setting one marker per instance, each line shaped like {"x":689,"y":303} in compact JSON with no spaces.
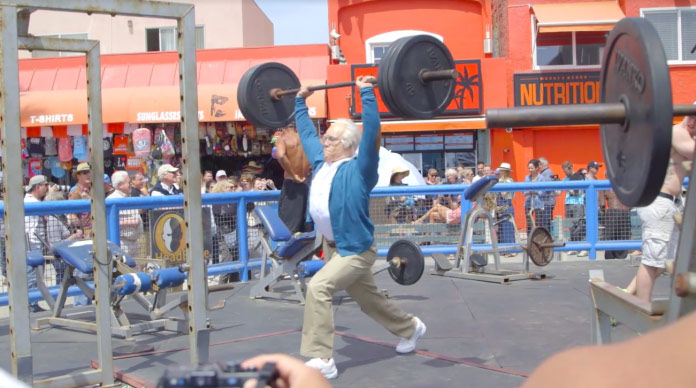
{"x":220,"y":176}
{"x":167,"y":175}
{"x":35,"y":227}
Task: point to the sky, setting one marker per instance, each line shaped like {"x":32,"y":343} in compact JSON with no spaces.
{"x":297,"y":21}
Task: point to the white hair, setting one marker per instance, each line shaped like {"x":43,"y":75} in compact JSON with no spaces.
{"x":543,"y":161}
{"x":118,"y":177}
{"x":351,"y":135}
{"x":451,"y":171}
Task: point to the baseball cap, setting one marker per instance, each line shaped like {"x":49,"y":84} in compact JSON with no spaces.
{"x":36,"y":180}
{"x":593,"y":164}
{"x":165,"y":168}
{"x":220,"y":173}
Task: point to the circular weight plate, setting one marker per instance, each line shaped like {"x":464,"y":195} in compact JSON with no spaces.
{"x":383,"y":72}
{"x":635,"y":72}
{"x":411,"y":262}
{"x":254,"y":99}
{"x":540,"y":256}
{"x":411,"y":96}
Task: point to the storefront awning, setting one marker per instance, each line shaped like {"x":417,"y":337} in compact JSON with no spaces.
{"x":590,"y":16}
{"x":142,"y":88}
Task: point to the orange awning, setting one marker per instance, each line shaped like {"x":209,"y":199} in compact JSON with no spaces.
{"x":590,"y":16}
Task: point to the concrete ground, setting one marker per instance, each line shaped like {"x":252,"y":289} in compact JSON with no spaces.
{"x":478,"y":334}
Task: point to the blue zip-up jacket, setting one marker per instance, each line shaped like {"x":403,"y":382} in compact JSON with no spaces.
{"x":349,"y":199}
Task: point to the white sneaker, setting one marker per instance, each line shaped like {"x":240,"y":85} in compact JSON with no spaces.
{"x":407,"y":345}
{"x":328,"y":369}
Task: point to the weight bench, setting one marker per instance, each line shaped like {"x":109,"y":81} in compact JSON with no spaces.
{"x":78,"y":257}
{"x":286,"y":259}
{"x":36,"y":260}
{"x":473,"y":265}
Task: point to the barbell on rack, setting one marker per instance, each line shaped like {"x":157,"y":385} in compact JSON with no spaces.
{"x":635,"y":113}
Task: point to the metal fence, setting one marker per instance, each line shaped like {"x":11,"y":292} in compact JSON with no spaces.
{"x":431,"y":216}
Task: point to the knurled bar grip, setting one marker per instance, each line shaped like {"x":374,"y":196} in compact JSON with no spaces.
{"x":425,"y":76}
{"x":540,"y":116}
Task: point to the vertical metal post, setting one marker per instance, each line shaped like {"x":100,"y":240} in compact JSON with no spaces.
{"x":199,"y":334}
{"x":592,"y":217}
{"x":242,"y":239}
{"x":16,"y":250}
{"x":686,"y":255}
{"x":102,"y":261}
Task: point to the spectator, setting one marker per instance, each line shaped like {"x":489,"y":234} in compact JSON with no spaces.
{"x":294,"y":195}
{"x":225,"y":220}
{"x":130,"y":224}
{"x":574,"y":204}
{"x":466,"y":175}
{"x":167,"y":175}
{"x":138,"y":188}
{"x":504,"y":210}
{"x":400,"y":209}
{"x":479,"y":171}
{"x":617,"y":221}
{"x":35,"y":229}
{"x":207,"y":177}
{"x":549,"y":196}
{"x":220,"y":175}
{"x":108,"y":187}
{"x":56,"y":231}
{"x":443,"y":214}
{"x":246,"y":181}
{"x":533,"y":205}
{"x":81,"y":191}
{"x":433,"y":177}
{"x":451,"y":176}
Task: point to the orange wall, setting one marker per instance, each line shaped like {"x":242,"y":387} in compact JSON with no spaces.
{"x":462,"y":23}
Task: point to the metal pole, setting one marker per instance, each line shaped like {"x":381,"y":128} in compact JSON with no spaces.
{"x":13,"y":193}
{"x":540,"y":116}
{"x":102,"y":260}
{"x":199,"y":334}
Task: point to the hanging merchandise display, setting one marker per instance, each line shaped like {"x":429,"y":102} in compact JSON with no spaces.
{"x":120,"y":145}
{"x":65,"y":153}
{"x":57,"y":170}
{"x":80,"y":149}
{"x":141,"y":142}
{"x":51,"y":146}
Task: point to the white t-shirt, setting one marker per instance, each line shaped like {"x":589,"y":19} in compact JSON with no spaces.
{"x":319,"y":197}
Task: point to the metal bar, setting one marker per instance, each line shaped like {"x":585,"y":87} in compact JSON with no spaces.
{"x":684,"y":110}
{"x":197,"y":283}
{"x":56,"y":44}
{"x":540,"y":116}
{"x":102,"y":260}
{"x":158,"y":9}
{"x":592,"y":219}
{"x":16,"y":249}
{"x":242,"y":242}
{"x":438,"y":75}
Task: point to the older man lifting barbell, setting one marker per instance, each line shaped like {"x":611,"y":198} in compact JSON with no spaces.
{"x":339,"y":202}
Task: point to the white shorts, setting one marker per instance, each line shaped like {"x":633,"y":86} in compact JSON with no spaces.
{"x":660,"y":232}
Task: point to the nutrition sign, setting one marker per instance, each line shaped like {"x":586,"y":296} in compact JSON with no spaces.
{"x":556,"y":88}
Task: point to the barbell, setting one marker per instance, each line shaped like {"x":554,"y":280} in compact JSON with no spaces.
{"x":416,"y":80}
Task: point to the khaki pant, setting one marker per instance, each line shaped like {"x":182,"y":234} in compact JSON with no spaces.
{"x":353,"y":274}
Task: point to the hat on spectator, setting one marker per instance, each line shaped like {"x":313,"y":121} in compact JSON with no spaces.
{"x":400,"y":170}
{"x":165,"y":168}
{"x":593,"y":164}
{"x":504,"y":166}
{"x":35,"y":180}
{"x":253,"y":168}
{"x":84,"y":166}
{"x":220,"y":173}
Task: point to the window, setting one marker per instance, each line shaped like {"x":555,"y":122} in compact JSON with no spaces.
{"x":376,"y":46}
{"x":39,"y":54}
{"x":435,"y":150}
{"x":164,"y":38}
{"x":677,"y":30}
{"x":569,"y":49}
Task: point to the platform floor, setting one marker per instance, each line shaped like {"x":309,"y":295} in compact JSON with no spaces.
{"x":478,"y":334}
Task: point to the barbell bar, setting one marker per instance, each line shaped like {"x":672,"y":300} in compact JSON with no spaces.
{"x":424,"y":75}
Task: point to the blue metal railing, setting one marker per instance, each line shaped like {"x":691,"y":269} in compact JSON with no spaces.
{"x":113,"y":206}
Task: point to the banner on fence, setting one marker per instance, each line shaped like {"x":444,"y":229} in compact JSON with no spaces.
{"x":168,"y":234}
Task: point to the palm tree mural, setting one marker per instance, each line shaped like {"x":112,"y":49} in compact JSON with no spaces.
{"x":464,"y":85}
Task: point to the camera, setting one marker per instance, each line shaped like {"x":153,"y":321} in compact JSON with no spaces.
{"x":216,"y":375}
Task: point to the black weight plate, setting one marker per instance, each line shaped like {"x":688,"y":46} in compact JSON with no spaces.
{"x":635,"y":71}
{"x":411,"y":96}
{"x":540,"y":256}
{"x":254,"y":99}
{"x":412,"y":262}
{"x":383,"y":72}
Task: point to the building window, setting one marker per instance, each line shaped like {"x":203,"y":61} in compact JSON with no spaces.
{"x":164,"y":38}
{"x":569,"y":49}
{"x":39,"y":53}
{"x":435,"y":150}
{"x":376,"y":46}
{"x":677,"y":30}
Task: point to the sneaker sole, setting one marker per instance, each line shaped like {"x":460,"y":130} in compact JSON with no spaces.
{"x":417,"y":338}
